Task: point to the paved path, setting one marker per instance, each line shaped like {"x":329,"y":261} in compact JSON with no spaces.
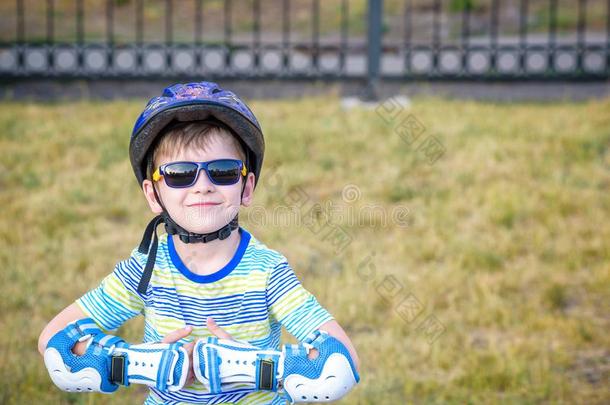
{"x":48,"y":90}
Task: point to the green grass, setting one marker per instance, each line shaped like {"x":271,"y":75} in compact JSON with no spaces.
{"x":505,"y":241}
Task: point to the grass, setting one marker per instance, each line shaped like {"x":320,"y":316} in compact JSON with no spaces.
{"x":504,"y":242}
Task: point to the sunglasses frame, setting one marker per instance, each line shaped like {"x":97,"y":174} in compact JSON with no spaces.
{"x":160,"y":172}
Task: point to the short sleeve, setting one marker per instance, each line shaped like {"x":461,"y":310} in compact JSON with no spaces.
{"x":116,"y":299}
{"x":291,"y":304}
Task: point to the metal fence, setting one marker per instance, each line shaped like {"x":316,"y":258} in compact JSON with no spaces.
{"x":282,"y":39}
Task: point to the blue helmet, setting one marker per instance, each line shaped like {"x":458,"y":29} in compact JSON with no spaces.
{"x":196,"y":102}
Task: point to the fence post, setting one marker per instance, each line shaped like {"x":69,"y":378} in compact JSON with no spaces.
{"x":374,"y":26}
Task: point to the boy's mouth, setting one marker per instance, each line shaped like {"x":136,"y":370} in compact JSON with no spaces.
{"x":203,"y":204}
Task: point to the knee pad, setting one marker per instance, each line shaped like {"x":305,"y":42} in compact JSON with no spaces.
{"x":223,"y":365}
{"x":109,"y":361}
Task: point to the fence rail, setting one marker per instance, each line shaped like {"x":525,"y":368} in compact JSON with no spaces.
{"x":281,"y":39}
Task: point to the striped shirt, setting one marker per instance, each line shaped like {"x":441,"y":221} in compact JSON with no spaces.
{"x":251,"y":298}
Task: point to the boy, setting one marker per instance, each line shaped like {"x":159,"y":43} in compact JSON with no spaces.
{"x":211,"y":293}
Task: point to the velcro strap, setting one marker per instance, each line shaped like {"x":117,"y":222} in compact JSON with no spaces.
{"x":294,"y":350}
{"x":118,"y":369}
{"x":164,"y":376}
{"x":266,"y":372}
{"x":212,"y":370}
{"x":315,"y":339}
{"x":82,"y":328}
{"x":105,"y":343}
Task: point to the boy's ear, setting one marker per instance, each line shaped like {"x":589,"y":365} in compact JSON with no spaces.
{"x":248,"y":193}
{"x":149,"y":193}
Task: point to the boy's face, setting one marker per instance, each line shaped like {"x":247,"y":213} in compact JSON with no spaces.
{"x":204,"y":207}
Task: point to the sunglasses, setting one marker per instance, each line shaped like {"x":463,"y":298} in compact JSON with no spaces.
{"x":221,"y":172}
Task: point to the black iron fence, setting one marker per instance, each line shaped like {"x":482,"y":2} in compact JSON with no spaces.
{"x":333,"y":39}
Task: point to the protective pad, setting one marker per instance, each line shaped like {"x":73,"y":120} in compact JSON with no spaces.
{"x":160,"y":365}
{"x":72,"y":373}
{"x":109,"y":361}
{"x":324,"y":379}
{"x":223,"y":365}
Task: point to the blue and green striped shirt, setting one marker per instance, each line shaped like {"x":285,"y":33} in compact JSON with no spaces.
{"x":251,"y":298}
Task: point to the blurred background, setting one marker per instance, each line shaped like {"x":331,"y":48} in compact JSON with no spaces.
{"x":437,"y":173}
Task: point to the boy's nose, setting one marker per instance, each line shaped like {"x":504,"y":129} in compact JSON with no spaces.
{"x":203,"y":182}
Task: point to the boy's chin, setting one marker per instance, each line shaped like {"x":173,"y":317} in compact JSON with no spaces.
{"x":203,"y":227}
{"x":197,"y":222}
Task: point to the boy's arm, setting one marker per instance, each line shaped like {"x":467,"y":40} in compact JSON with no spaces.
{"x":298,"y":310}
{"x":335,"y":330}
{"x":69,"y":314}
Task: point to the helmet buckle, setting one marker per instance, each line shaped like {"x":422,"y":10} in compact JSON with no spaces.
{"x":224,"y":233}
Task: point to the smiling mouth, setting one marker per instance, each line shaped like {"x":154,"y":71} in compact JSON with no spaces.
{"x":203,"y":204}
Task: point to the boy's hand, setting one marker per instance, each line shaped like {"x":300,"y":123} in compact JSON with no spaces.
{"x":178,"y":334}
{"x":175,"y":336}
{"x":220,"y":333}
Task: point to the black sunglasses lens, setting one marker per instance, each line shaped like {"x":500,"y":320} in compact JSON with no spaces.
{"x":224,"y":172}
{"x":180,"y":174}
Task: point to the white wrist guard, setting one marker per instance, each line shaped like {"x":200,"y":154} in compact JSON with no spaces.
{"x":223,"y":365}
{"x":109,"y":361}
{"x":161,"y":365}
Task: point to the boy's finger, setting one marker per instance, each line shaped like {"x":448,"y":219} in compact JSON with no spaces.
{"x":189,"y":347}
{"x":177,"y":335}
{"x":217,"y":330}
{"x":189,"y":379}
{"x":313,"y":354}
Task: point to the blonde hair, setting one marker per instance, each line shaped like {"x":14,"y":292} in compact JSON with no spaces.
{"x":196,"y":134}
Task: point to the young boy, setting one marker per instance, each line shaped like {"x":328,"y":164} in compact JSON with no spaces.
{"x":212,"y":295}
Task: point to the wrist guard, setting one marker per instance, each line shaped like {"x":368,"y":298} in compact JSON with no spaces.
{"x":223,"y":365}
{"x":109,"y":361}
